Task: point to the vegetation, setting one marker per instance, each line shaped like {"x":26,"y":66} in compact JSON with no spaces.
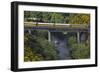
{"x":79,"y":19}
{"x":79,"y":50}
{"x":55,"y":17}
{"x":38,"y":48}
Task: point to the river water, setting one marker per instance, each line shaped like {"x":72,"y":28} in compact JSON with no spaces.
{"x":60,"y":42}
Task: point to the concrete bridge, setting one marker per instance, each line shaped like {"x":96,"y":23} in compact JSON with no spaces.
{"x":56,"y":35}
{"x":78,"y":34}
{"x":78,"y":29}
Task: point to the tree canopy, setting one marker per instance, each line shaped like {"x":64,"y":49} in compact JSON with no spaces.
{"x":56,"y":17}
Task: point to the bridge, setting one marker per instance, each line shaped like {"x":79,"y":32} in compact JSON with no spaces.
{"x":58,"y":27}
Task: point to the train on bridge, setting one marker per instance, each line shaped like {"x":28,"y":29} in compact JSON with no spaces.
{"x":31,"y":22}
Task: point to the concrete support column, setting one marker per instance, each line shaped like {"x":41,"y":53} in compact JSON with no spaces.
{"x":49,"y":36}
{"x":78,"y":37}
{"x":29,"y":31}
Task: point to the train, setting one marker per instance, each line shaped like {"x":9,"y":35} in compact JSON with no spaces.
{"x":40,"y":22}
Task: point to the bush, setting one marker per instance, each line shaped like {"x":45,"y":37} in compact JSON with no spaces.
{"x":79,"y":50}
{"x":38,"y":48}
{"x":71,"y":41}
{"x":48,"y":49}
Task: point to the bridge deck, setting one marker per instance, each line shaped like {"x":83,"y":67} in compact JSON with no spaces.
{"x":56,"y":27}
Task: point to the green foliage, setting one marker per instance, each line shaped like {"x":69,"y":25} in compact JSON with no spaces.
{"x":40,"y":33}
{"x":46,"y":16}
{"x":50,"y":17}
{"x":55,"y":17}
{"x":31,"y":55}
{"x":37,"y":47}
{"x":72,"y":40}
{"x":48,"y":49}
{"x":79,"y":50}
{"x":79,"y":19}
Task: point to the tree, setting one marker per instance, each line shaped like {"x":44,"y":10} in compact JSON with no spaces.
{"x":46,"y":16}
{"x":72,"y":40}
{"x":56,"y":18}
{"x":79,"y":19}
{"x":79,"y":50}
{"x":30,"y":54}
{"x":38,"y":48}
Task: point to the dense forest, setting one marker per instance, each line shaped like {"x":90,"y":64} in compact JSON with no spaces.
{"x":56,"y":17}
{"x":38,"y":48}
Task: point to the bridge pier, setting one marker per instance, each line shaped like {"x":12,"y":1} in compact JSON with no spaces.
{"x":78,"y":37}
{"x":49,"y":36}
{"x":29,"y":31}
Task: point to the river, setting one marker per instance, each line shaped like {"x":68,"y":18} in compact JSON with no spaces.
{"x":60,"y":41}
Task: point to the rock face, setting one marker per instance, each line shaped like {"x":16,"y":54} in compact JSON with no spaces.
{"x":60,"y":42}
